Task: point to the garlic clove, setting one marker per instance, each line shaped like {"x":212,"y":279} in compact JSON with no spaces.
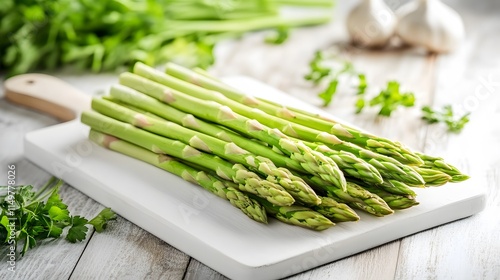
{"x":372,"y":23}
{"x":430,"y":24}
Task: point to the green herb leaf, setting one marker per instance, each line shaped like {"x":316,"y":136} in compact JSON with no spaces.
{"x":100,"y":221}
{"x":391,"y":98}
{"x":55,"y":230}
{"x":58,"y":214}
{"x":112,"y":35}
{"x":446,"y":116}
{"x":280,"y":36}
{"x":360,"y":104}
{"x":329,"y":92}
{"x":37,"y":219}
{"x":317,"y":72}
{"x":361,"y":85}
{"x":78,"y":230}
{"x":4,"y":221}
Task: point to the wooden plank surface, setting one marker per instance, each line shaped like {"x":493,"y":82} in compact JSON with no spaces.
{"x":59,"y":257}
{"x":470,"y":78}
{"x":125,"y":251}
{"x":466,"y":249}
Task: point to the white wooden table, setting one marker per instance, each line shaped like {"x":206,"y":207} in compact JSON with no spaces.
{"x":468,"y":78}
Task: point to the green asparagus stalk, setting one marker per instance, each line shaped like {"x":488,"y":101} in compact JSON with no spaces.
{"x":246,"y":180}
{"x":396,"y":187}
{"x":312,"y":161}
{"x":347,"y":162}
{"x":244,"y":25}
{"x":164,"y":112}
{"x":336,"y":211}
{"x":377,"y":144}
{"x":390,"y":168}
{"x":433,"y":177}
{"x":395,"y":201}
{"x":204,"y":73}
{"x":350,"y":164}
{"x":355,"y":196}
{"x":439,"y":164}
{"x":301,"y":132}
{"x":227,"y":150}
{"x":222,"y":188}
{"x":429,"y":162}
{"x":156,"y":106}
{"x":297,"y":215}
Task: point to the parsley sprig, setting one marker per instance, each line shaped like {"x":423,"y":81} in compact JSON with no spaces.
{"x":389,"y":99}
{"x":319,"y":73}
{"x":36,"y":216}
{"x":446,"y":116}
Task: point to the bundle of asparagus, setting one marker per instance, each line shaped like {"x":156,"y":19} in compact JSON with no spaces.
{"x":266,"y":159}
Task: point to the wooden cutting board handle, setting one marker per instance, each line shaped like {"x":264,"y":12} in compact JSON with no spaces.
{"x":47,"y":94}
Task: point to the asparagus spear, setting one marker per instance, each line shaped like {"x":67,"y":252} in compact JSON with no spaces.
{"x":355,"y":196}
{"x":204,"y":73}
{"x":246,"y":180}
{"x":227,"y":150}
{"x":294,"y":215}
{"x":429,"y":162}
{"x":333,"y":210}
{"x":156,"y":106}
{"x":165,"y":112}
{"x":304,"y":133}
{"x":347,"y":162}
{"x":390,"y":168}
{"x":222,"y":188}
{"x":336,"y":211}
{"x":350,"y":164}
{"x":395,"y":201}
{"x":433,"y":177}
{"x":312,"y":161}
{"x":396,"y":187}
{"x":297,"y":215}
{"x":130,"y":98}
{"x":435,"y":163}
{"x":217,"y":131}
{"x":368,"y":141}
{"x":438,"y":163}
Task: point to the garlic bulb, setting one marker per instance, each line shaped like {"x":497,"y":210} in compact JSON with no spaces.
{"x":431,"y":24}
{"x":371,"y":23}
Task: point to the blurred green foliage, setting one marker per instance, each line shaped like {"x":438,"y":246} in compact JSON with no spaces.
{"x":109,"y":34}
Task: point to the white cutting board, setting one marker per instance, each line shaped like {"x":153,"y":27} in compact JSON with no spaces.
{"x":209,"y":228}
